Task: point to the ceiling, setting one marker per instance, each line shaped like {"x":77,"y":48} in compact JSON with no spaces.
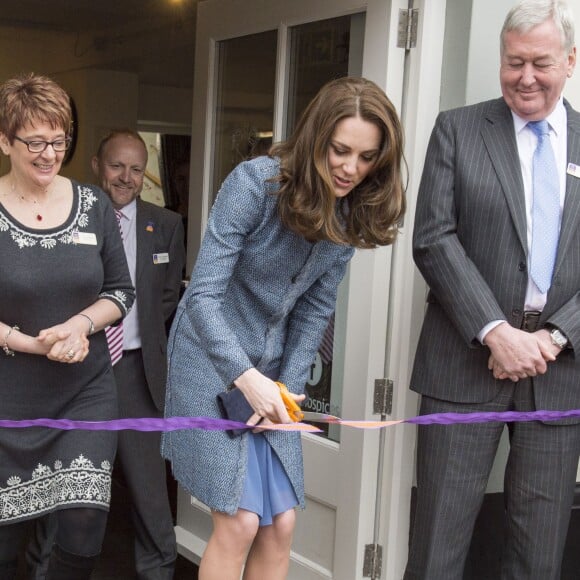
{"x":115,"y":29}
{"x":85,"y":15}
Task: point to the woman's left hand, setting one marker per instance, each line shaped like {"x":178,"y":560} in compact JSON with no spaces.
{"x":68,"y":341}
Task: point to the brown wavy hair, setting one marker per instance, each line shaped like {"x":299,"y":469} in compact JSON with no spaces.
{"x":30,"y":98}
{"x":370,"y":214}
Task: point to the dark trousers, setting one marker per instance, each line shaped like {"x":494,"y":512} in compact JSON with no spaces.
{"x":144,"y":472}
{"x":453,"y":467}
{"x":138,"y":454}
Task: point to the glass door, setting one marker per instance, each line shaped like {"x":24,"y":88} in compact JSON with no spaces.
{"x":254,"y":76}
{"x":318,"y":52}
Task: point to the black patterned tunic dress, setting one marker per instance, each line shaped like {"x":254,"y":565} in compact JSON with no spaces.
{"x":47,"y":276}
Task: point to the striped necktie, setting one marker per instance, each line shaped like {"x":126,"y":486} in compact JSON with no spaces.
{"x":545,"y":208}
{"x":115,"y":333}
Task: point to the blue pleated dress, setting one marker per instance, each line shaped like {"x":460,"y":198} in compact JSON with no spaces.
{"x":267,"y":488}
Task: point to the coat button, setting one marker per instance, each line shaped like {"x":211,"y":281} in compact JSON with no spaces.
{"x":522,"y":267}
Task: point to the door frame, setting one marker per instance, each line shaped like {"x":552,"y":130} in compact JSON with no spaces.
{"x":421,"y":98}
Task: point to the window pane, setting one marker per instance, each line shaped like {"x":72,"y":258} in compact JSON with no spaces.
{"x":244,"y":101}
{"x":321,"y":51}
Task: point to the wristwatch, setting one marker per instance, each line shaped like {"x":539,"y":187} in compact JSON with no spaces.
{"x":558,"y":338}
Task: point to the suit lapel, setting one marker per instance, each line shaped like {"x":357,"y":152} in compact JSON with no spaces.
{"x":144,"y":237}
{"x":571,"y":213}
{"x":500,"y":141}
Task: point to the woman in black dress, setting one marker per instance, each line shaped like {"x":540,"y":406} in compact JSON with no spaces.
{"x":64,"y":279}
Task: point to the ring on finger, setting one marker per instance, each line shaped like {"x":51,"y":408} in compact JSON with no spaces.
{"x":70,"y":354}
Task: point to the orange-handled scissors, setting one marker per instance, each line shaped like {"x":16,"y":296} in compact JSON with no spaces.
{"x":291,"y":405}
{"x":297,"y":415}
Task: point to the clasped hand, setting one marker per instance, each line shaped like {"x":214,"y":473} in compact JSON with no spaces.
{"x":66,"y":342}
{"x":516,"y":354}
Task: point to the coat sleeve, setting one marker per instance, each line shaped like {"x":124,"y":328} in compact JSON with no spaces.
{"x":567,"y":319}
{"x":237,"y":211}
{"x":307,"y":323}
{"x":117,"y":285}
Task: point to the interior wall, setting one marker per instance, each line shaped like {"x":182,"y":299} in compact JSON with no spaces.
{"x":103,"y":98}
{"x":471,"y":52}
{"x":164,"y":109}
{"x":483,"y":63}
{"x":455,"y":53}
{"x":23,"y":50}
{"x":98,"y":109}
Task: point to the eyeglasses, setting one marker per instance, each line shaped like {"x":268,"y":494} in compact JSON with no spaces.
{"x":39,"y":146}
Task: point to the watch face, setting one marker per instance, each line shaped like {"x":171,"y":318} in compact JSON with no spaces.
{"x":558,"y":338}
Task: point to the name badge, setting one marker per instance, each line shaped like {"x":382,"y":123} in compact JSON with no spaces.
{"x":162,"y":258}
{"x":573,"y":169}
{"x":86,"y":238}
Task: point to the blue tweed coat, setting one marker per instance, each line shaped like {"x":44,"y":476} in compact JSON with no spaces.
{"x":260,"y":296}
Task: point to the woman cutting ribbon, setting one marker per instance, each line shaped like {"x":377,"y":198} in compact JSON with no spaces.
{"x":280,"y":235}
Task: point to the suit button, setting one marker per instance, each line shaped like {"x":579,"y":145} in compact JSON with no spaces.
{"x":516,"y":312}
{"x":293,"y":279}
{"x":522,"y":267}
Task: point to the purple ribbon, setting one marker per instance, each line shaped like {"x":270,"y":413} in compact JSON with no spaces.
{"x":137,"y":424}
{"x":504,"y":416}
{"x":212,"y":424}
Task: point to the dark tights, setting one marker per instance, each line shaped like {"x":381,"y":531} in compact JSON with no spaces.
{"x":80,"y":533}
{"x":81,"y":530}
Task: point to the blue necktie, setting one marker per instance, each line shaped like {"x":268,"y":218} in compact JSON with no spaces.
{"x":545,"y":208}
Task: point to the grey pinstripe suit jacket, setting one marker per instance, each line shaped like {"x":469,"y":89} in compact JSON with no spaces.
{"x":470,"y":245}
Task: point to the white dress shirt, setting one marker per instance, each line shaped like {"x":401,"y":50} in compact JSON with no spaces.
{"x":131,"y":337}
{"x":527,"y":142}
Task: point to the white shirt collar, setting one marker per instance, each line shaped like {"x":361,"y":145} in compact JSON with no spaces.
{"x":129,"y":211}
{"x":557,"y":119}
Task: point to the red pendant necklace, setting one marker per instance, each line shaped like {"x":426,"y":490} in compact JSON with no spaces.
{"x":35,"y":202}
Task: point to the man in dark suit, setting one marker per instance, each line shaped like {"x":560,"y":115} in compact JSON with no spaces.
{"x":153,"y":240}
{"x":496,"y":338}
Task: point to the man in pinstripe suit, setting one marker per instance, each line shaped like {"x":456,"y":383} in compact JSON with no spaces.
{"x":491,"y":339}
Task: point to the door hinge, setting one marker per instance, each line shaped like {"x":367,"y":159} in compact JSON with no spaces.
{"x":373,"y":561}
{"x":407,"y":29}
{"x":383,"y":397}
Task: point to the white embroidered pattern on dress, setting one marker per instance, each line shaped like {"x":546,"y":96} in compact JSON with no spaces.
{"x":25,"y":239}
{"x":82,"y":482}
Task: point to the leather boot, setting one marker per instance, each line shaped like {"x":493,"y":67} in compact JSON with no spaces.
{"x":66,"y":566}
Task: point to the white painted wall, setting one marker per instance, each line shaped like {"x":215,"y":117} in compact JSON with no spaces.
{"x":483,"y":60}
